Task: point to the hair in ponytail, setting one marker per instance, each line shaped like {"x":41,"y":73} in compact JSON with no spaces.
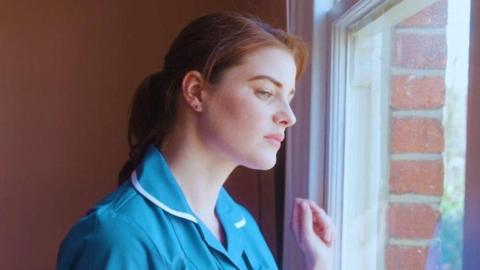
{"x":151,"y":117}
{"x":210,"y":44}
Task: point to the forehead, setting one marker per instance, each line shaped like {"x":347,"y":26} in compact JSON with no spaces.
{"x":273,"y":62}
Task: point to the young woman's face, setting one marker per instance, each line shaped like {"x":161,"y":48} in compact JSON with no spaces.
{"x":247,"y":112}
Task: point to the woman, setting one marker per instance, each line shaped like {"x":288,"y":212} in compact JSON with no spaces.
{"x":222,"y":100}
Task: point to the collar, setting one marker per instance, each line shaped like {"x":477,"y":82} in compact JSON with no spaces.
{"x":154,"y":180}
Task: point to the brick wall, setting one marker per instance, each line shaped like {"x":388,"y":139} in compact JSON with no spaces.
{"x":417,"y":97}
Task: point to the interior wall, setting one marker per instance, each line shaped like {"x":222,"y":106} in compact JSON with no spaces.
{"x":68,"y":70}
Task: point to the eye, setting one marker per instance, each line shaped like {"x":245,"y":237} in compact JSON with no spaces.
{"x":263,"y":94}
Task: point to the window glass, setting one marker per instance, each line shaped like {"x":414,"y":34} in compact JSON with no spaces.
{"x":405,"y":135}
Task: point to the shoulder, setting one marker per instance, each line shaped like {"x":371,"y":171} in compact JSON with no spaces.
{"x":123,"y":208}
{"x":114,"y":218}
{"x":107,"y":237}
{"x":107,"y":225}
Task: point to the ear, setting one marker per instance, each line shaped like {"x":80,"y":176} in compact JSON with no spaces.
{"x":193,"y":87}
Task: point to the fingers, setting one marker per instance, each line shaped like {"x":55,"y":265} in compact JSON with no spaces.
{"x":306,"y":220}
{"x":308,"y":217}
{"x":324,"y":221}
{"x":302,"y":222}
{"x":314,"y":233}
{"x":295,"y":219}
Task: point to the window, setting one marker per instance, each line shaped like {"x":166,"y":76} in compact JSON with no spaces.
{"x":392,"y":163}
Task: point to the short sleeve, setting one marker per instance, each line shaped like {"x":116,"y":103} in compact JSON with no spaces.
{"x":108,"y":241}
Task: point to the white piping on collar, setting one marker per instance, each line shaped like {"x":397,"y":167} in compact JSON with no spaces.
{"x":149,"y":197}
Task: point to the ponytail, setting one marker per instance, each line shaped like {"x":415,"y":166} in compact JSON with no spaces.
{"x":152,"y":116}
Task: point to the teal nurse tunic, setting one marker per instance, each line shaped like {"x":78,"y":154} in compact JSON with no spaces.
{"x":147,"y":224}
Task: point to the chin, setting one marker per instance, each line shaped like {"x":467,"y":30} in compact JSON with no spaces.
{"x":262,"y":163}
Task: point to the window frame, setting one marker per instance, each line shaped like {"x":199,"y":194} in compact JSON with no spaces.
{"x":305,"y":160}
{"x":471,"y":232}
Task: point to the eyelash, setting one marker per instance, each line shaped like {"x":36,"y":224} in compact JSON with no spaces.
{"x":264,"y":94}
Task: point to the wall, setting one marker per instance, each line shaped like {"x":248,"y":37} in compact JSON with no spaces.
{"x":67,"y":72}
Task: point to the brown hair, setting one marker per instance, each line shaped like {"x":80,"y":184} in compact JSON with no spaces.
{"x":209,"y":44}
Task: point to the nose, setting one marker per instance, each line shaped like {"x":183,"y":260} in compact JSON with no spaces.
{"x":285,"y":116}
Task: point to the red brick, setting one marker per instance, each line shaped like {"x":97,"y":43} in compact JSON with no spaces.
{"x":411,"y":92}
{"x":420,"y":177}
{"x":413,"y":220}
{"x":433,"y":16}
{"x":422,"y":51}
{"x":418,"y":135}
{"x":406,"y":258}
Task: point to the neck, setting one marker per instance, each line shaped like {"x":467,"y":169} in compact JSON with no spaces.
{"x":199,"y":173}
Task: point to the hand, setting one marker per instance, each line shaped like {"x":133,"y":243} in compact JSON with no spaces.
{"x":314,"y":232}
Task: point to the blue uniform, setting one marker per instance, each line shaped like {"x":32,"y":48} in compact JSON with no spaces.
{"x":147,"y":224}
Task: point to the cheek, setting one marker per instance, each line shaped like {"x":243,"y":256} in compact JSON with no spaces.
{"x":244,"y":115}
{"x":235,"y":126}
{"x":236,"y":118}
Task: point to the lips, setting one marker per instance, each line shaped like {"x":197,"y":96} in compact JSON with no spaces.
{"x":276,"y":139}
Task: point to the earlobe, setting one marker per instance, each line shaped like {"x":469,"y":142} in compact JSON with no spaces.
{"x":197,"y":108}
{"x":192,"y":88}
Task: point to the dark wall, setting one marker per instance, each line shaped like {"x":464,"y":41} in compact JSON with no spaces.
{"x":68,"y":70}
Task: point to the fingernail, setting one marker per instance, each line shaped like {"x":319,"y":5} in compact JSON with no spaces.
{"x":328,"y":237}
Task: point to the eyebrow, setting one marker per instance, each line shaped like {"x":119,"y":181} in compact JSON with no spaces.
{"x":268,"y":78}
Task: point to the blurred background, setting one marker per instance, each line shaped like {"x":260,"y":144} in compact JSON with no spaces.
{"x":68,"y":70}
